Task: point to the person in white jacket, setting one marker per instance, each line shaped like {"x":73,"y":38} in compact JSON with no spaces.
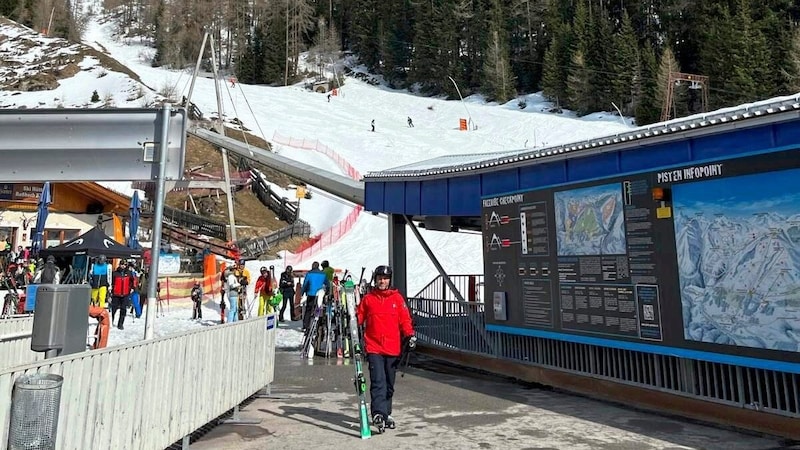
{"x":231,"y":292}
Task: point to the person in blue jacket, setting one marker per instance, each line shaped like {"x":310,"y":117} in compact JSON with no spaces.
{"x":314,"y":281}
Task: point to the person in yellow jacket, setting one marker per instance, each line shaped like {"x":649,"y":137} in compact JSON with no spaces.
{"x":243,"y":277}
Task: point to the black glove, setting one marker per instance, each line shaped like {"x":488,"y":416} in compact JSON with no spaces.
{"x":412,"y":343}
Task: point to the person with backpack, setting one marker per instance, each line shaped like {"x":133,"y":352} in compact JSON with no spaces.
{"x":197,"y":300}
{"x":49,"y":273}
{"x":122,"y":284}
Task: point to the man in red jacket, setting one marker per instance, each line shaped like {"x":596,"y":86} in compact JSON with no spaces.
{"x":383,"y":310}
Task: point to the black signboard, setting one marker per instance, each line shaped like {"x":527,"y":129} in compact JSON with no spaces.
{"x":703,"y":257}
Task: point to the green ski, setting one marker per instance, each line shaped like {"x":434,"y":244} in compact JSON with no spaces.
{"x":357,"y":356}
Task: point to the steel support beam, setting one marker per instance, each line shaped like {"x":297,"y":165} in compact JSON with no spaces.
{"x":397,"y":252}
{"x":334,"y":183}
{"x":89,"y":144}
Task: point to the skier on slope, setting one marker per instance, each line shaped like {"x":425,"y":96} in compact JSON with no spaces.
{"x":387,"y":323}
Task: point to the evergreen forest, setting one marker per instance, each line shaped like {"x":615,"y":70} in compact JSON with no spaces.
{"x":585,"y":55}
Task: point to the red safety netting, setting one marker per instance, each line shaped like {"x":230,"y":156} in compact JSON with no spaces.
{"x":333,"y":234}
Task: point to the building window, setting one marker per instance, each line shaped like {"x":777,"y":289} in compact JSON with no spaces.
{"x":53,"y":237}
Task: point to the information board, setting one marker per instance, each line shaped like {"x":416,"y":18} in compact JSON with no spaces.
{"x":702,"y":257}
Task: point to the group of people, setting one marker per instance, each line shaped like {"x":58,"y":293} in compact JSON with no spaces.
{"x":115,"y":289}
{"x":384,"y":317}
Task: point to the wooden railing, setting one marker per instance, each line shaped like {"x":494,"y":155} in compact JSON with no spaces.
{"x":255,"y":247}
{"x":285,"y":209}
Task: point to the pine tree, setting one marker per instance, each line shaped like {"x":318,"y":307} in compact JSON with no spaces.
{"x":624,"y":64}
{"x":791,"y":71}
{"x":578,"y":87}
{"x":648,"y":107}
{"x":498,"y":81}
{"x":667,"y":65}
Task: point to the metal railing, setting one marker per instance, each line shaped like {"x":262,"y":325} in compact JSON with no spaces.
{"x":285,"y":209}
{"x":15,"y":342}
{"x":152,"y":393}
{"x":255,"y":247}
{"x":457,"y":327}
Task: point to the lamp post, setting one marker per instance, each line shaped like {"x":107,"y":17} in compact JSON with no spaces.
{"x":462,"y":100}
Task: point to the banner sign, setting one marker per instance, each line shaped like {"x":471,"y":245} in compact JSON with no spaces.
{"x":21,"y":192}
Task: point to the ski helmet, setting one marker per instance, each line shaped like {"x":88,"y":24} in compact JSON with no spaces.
{"x":385,"y":271}
{"x":51,"y":259}
{"x":289,"y":268}
{"x":101,"y":259}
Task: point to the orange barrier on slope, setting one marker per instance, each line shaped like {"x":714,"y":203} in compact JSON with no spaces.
{"x":180,"y":288}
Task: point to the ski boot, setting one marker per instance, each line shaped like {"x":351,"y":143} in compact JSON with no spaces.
{"x":390,"y":423}
{"x":378,"y":422}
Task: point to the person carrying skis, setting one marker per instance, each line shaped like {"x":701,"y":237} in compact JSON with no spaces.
{"x":387,"y":323}
{"x":286,"y":285}
{"x":243,"y":277}
{"x":263,"y":291}
{"x":314,"y":281}
{"x":197,"y":300}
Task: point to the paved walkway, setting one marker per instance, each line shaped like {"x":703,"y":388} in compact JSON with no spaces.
{"x":438,"y":407}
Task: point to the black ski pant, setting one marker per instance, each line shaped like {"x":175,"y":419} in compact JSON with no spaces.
{"x":288,"y":299}
{"x":197,"y":312}
{"x":382,"y":371}
{"x":119,"y":304}
{"x":308,"y":314}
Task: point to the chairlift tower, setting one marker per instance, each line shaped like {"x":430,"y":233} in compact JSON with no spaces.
{"x":696,"y":82}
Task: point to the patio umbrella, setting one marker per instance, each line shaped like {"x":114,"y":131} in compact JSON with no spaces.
{"x":133,"y":225}
{"x":41,"y":218}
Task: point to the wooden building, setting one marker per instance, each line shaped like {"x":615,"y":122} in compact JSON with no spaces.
{"x":76,"y":207}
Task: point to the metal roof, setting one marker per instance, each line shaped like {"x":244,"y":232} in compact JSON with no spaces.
{"x":742,"y":116}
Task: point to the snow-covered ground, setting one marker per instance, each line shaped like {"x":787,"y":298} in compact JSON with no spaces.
{"x":343,"y":124}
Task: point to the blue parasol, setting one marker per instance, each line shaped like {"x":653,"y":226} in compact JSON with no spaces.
{"x":133,"y":225}
{"x":37,"y":241}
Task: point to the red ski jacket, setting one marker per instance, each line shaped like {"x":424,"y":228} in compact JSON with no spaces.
{"x":386,"y":317}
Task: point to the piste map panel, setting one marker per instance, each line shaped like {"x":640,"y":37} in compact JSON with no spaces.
{"x":713,"y":266}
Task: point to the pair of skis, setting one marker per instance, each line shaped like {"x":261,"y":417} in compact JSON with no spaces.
{"x":357,"y":356}
{"x":307,"y":349}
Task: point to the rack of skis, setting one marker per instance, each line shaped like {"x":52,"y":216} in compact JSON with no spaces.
{"x":327,"y":334}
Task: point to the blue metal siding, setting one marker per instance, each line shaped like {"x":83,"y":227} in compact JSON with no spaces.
{"x":373,"y":196}
{"x":732,"y":143}
{"x":786,"y":134}
{"x":596,"y":166}
{"x":459,"y":196}
{"x":542,"y":174}
{"x":413,"y":192}
{"x":393,"y":199}
{"x":434,"y":197}
{"x":666,"y":154}
{"x":499,"y":182}
{"x":464,"y":196}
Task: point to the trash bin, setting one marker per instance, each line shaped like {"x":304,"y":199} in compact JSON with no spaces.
{"x":34,"y":412}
